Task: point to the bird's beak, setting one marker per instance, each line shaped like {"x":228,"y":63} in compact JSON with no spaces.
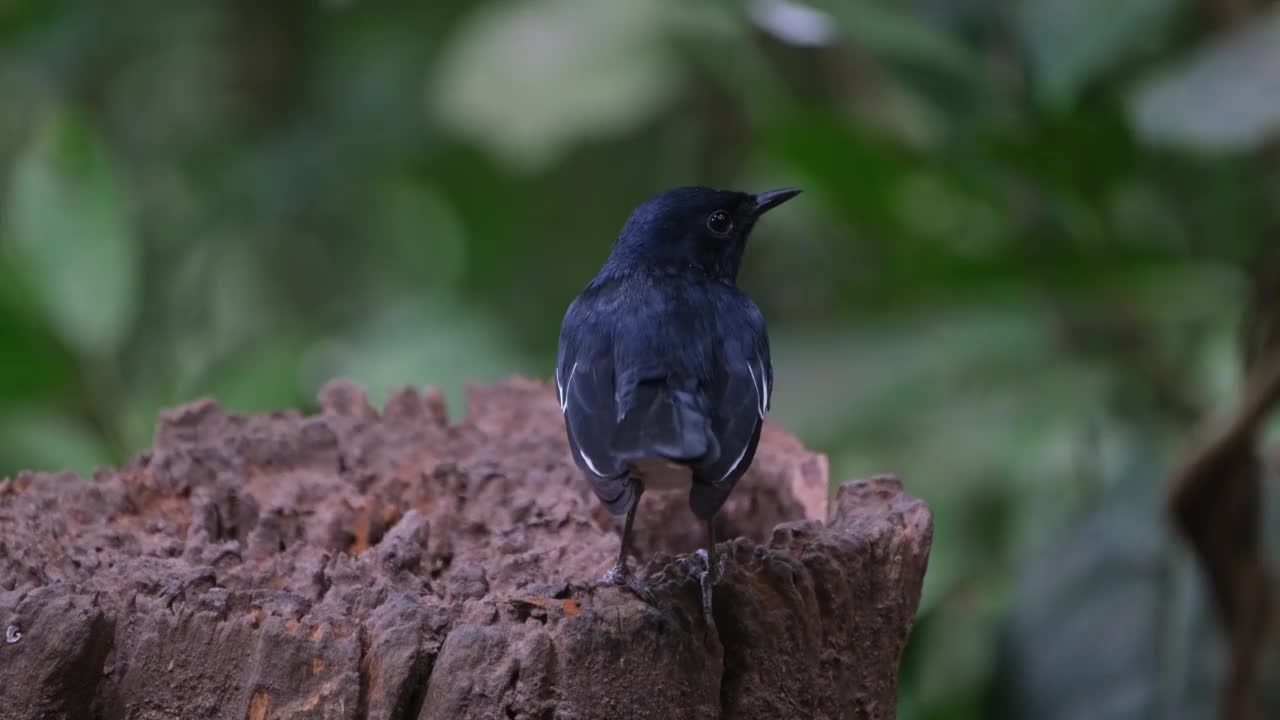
{"x":771,"y":199}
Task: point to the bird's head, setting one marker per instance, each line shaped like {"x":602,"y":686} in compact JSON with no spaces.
{"x":694,"y":227}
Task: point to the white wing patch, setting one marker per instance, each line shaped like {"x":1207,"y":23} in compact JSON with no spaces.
{"x":757,"y":383}
{"x":590,"y":464}
{"x":764,"y":381}
{"x":563,"y":392}
{"x":735,"y":464}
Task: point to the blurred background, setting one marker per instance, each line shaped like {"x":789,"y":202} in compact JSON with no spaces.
{"x":1024,"y":275}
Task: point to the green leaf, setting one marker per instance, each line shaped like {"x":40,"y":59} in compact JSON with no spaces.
{"x":32,"y":364}
{"x":529,"y":80}
{"x":1225,"y":96}
{"x":1071,"y":43}
{"x":902,"y":36}
{"x":882,"y":185}
{"x":32,"y":438}
{"x":72,"y":237}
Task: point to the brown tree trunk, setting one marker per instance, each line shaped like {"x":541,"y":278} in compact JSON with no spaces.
{"x":362,"y":565}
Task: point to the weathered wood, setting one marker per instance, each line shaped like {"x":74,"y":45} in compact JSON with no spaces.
{"x":362,"y":565}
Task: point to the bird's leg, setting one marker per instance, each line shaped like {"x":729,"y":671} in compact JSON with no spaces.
{"x":621,"y":573}
{"x":712,"y":574}
{"x":715,"y":561}
{"x":626,"y":528}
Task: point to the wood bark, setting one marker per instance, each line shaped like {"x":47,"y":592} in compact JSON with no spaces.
{"x":356,"y":564}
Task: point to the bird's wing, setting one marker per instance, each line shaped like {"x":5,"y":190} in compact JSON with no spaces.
{"x":585,"y":388}
{"x":740,"y":395}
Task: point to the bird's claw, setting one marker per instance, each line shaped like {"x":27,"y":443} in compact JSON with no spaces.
{"x":717,"y":572}
{"x":622,"y":576}
{"x":707,"y":578}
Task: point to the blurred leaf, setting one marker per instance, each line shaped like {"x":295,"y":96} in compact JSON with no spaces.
{"x":1225,"y":97}
{"x":421,"y":238}
{"x":440,"y":346}
{"x":33,"y":438}
{"x":217,"y":309}
{"x":263,"y":379}
{"x":859,"y":175}
{"x":71,"y":235}
{"x":22,"y":18}
{"x":949,"y":661}
{"x":178,"y":66}
{"x":1115,"y":583}
{"x":899,"y":34}
{"x":32,"y":365}
{"x":1120,"y":624}
{"x":1071,"y":43}
{"x":1102,"y":151}
{"x":530,"y":79}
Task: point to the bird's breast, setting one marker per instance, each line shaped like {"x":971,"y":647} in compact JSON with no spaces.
{"x":662,"y":474}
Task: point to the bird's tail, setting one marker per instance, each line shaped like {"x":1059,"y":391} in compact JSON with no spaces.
{"x":665,"y":422}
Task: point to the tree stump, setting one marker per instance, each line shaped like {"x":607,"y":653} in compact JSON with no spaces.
{"x":356,"y":564}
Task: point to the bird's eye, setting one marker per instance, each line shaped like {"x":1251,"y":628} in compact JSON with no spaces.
{"x":720,"y":223}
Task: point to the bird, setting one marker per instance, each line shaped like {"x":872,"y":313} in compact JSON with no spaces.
{"x":663,"y":371}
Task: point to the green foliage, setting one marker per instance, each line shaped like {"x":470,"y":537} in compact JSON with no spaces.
{"x":71,"y":236}
{"x":1013,"y":278}
{"x":31,"y":436}
{"x":1071,"y":44}
{"x":895,"y":33}
{"x":599,"y":69}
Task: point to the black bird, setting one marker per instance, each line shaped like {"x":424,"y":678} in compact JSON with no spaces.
{"x":663,"y":373}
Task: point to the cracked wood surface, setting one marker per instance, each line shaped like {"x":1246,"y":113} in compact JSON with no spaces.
{"x":356,"y":564}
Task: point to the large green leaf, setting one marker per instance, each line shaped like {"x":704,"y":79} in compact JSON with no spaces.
{"x":531,"y":79}
{"x":1069,"y":44}
{"x":71,"y":235}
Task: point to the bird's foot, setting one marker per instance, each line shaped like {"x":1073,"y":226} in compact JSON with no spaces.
{"x":623,"y":576}
{"x":707,"y":578}
{"x":716,"y":572}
